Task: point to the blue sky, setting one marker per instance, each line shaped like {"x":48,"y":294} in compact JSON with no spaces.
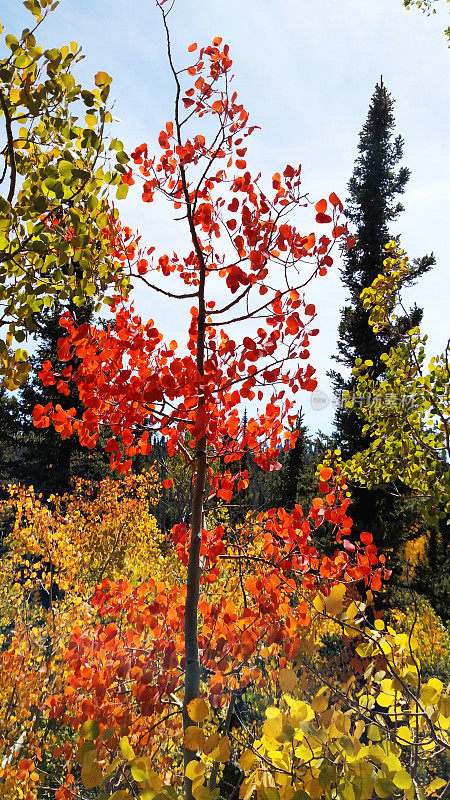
{"x":306,"y":72}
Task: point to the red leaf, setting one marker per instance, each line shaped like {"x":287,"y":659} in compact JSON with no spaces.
{"x":334,"y":200}
{"x":376,"y":581}
{"x":289,"y":172}
{"x":323,"y":218}
{"x":40,"y":416}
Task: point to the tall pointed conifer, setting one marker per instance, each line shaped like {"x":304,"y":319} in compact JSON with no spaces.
{"x":373,"y":205}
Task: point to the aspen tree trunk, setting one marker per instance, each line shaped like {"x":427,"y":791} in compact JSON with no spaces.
{"x":192,"y":660}
{"x":191,"y":650}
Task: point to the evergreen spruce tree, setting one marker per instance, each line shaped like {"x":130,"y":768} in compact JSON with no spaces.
{"x":293,"y":471}
{"x":296,"y":481}
{"x":371,"y":208}
{"x":373,"y":204}
{"x":10,"y":436}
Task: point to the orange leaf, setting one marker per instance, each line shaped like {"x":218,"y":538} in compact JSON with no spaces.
{"x":321,"y":206}
{"x":334,"y":200}
{"x":376,"y":581}
{"x":192,"y":47}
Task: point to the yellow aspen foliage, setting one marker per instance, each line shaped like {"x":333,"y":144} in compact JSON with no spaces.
{"x":56,"y":553}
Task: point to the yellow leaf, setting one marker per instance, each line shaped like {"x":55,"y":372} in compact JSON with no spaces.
{"x":91,"y":775}
{"x":352,"y":610}
{"x":434,"y":786}
{"x":222,"y":751}
{"x":140,"y":768}
{"x":300,"y":710}
{"x":402,"y":779}
{"x":320,"y":701}
{"x":211,"y":743}
{"x":247,"y":760}
{"x":14,"y":96}
{"x":195,"y":769}
{"x":359,"y":728}
{"x":318,"y":603}
{"x":288,"y":680}
{"x":429,"y":695}
{"x":273,"y":727}
{"x":392,"y":763}
{"x":247,"y":787}
{"x":198,"y":709}
{"x":102,"y":79}
{"x":194,"y":738}
{"x":153,"y":780}
{"x":385,"y":700}
{"x":404,"y":734}
{"x":201,"y":792}
{"x":126,"y":749}
{"x":333,"y":603}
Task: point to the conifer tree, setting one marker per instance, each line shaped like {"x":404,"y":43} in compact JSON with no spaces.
{"x":10,"y":433}
{"x":373,"y":205}
{"x":293,"y":471}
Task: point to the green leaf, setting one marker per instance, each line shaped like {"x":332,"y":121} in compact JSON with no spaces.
{"x":11,"y":42}
{"x":122,"y":191}
{"x":384,"y":787}
{"x":90,"y":730}
{"x":65,"y":168}
{"x":86,"y":747}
